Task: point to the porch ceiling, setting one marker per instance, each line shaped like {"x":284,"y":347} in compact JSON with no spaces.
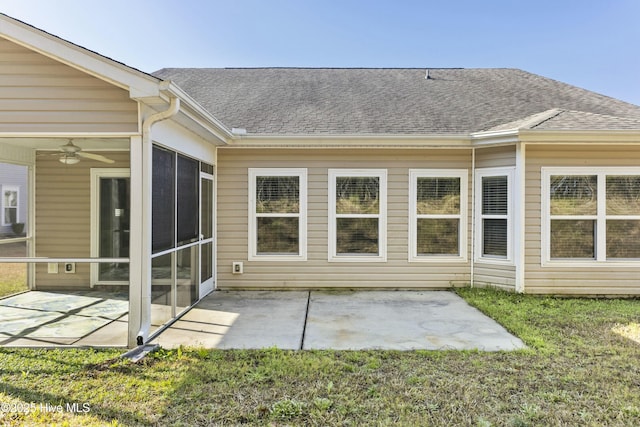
{"x":53,"y":143}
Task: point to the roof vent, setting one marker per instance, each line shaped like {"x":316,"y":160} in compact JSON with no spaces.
{"x":239,"y":131}
{"x":427,"y":76}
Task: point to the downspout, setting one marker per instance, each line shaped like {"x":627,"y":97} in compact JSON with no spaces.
{"x":473,"y":215}
{"x":145,"y":282}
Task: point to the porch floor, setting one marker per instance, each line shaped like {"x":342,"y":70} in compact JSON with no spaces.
{"x":51,"y":319}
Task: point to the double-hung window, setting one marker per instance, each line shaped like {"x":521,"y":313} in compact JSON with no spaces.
{"x":358,"y":215}
{"x":590,"y":215}
{"x":494,"y":210}
{"x":277,"y":214}
{"x":438,"y":215}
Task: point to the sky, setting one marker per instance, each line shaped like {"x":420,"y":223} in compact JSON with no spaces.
{"x":593,"y":44}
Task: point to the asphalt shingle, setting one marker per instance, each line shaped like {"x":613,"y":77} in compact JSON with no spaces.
{"x":290,"y":101}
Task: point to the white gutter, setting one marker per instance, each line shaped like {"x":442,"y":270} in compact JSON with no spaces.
{"x":145,"y":280}
{"x":173,"y":109}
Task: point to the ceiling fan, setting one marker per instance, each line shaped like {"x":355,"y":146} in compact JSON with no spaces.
{"x":71,"y":154}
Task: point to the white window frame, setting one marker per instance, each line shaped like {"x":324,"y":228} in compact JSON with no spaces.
{"x":479,"y":216}
{"x":463,"y":175}
{"x":16,"y":207}
{"x":301,"y":173}
{"x":600,"y":217}
{"x":381,"y":174}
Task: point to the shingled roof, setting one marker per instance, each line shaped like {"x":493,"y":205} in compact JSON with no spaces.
{"x":294,"y":101}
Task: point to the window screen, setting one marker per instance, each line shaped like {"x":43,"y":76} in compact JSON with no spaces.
{"x":163,"y":200}
{"x":623,"y":199}
{"x":573,"y":202}
{"x":188,"y":200}
{"x":357,"y":213}
{"x":593,"y":214}
{"x":574,"y":195}
{"x":494,"y":195}
{"x":277,"y":215}
{"x":437,"y":200}
{"x":495,"y":209}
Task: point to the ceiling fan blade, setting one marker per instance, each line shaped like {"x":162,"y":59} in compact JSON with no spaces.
{"x":93,"y":156}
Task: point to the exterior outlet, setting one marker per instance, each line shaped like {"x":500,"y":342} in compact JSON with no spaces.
{"x":237,"y":267}
{"x":70,"y":267}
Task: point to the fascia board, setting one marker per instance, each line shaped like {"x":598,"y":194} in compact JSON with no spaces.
{"x":495,"y":137}
{"x":580,"y":137}
{"x":350,"y":141}
{"x":139,"y":84}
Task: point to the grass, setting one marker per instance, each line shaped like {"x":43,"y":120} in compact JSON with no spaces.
{"x":13,"y":278}
{"x":579,"y":370}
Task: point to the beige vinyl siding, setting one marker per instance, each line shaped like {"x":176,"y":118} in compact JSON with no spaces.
{"x":317,"y":272}
{"x":489,"y":274}
{"x":63,"y":206}
{"x":494,"y":275}
{"x":609,"y":280}
{"x":496,"y":157}
{"x":39,"y":94}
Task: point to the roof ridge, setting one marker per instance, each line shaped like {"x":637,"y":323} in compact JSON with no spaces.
{"x":537,"y":119}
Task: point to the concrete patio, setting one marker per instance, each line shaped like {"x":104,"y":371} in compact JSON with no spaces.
{"x":390,"y":320}
{"x":340,"y":320}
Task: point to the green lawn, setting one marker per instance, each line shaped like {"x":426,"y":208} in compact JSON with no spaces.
{"x":580,"y":370}
{"x":13,"y":278}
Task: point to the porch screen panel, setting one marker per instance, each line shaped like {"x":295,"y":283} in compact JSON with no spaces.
{"x":357,"y":215}
{"x":163,"y":200}
{"x":206,"y":209}
{"x":188,"y":180}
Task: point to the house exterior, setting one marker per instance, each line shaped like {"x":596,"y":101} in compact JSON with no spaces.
{"x":284,"y":178}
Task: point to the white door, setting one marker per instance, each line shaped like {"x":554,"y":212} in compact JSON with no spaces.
{"x":206,"y":235}
{"x":110,"y":193}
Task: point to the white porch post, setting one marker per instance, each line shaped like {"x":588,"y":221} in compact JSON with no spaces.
{"x":519,"y":217}
{"x":140,"y":240}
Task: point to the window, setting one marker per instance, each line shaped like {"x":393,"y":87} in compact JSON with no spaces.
{"x":277,"y":214}
{"x":357,"y":215}
{"x":9,"y":204}
{"x":493,"y":210}
{"x":437,"y":215}
{"x":591,"y":214}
